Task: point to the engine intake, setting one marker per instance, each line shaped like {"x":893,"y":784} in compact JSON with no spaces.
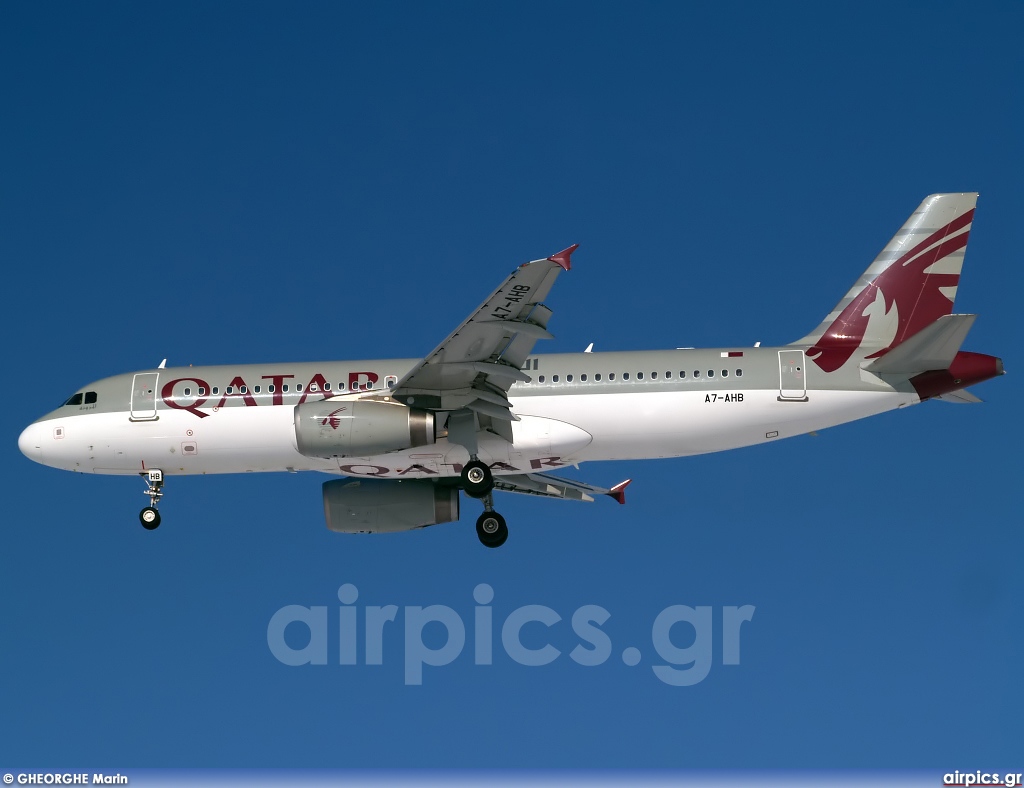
{"x":366,"y":506}
{"x":360,"y":428}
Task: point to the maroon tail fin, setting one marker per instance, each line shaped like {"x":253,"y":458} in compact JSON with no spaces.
{"x":910,"y":284}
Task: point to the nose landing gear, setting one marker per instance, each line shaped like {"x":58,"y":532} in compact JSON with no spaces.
{"x":150,"y":517}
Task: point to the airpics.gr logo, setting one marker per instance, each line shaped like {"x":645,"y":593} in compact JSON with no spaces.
{"x":538,"y":625}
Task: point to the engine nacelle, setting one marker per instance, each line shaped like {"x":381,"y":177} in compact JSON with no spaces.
{"x":367,"y":506}
{"x":360,"y":428}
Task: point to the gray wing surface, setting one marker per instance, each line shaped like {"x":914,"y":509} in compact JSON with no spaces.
{"x":476,"y":365}
{"x":548,"y":486}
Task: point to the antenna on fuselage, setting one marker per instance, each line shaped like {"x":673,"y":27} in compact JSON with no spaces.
{"x":590,"y":348}
{"x":163,"y":364}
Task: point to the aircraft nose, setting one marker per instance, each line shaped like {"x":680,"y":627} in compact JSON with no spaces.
{"x":31,"y":442}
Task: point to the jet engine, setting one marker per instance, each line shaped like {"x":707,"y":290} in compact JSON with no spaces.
{"x":366,"y":506}
{"x":360,"y":428}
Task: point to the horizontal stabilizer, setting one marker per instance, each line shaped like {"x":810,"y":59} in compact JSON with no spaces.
{"x":961,"y":397}
{"x":933,"y":347}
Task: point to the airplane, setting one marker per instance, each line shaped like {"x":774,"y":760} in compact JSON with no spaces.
{"x":483,"y":413}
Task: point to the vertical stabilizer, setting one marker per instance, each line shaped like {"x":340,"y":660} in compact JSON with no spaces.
{"x":910,"y":285}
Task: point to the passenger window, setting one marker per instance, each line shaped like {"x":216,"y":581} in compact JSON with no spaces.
{"x":271,"y":388}
{"x":298,"y":387}
{"x":255,"y":389}
{"x":188,"y":392}
{"x":725,"y":373}
{"x":568,"y":378}
{"x":611,"y":376}
{"x":625,"y":376}
{"x":668,"y":375}
{"x":739,"y":373}
{"x":654,"y":376}
{"x":583,"y":377}
{"x":216,"y":389}
{"x":711,"y":373}
{"x":229,"y":390}
{"x":314,"y":387}
{"x":554,"y":378}
{"x":597,"y":376}
{"x":284,"y":387}
{"x":639,"y":375}
{"x":243,"y":390}
{"x":76,"y":399}
{"x":202,"y":391}
{"x":90,"y":397}
{"x":540,"y":379}
{"x":696,"y":373}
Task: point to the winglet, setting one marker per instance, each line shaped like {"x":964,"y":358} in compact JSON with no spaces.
{"x":618,"y":492}
{"x":562,"y":258}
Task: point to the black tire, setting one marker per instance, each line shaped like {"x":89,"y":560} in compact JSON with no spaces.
{"x":477,"y":479}
{"x":150,"y":518}
{"x":491,"y":529}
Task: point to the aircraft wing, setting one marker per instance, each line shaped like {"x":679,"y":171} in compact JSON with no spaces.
{"x":548,"y":486}
{"x":477,"y":364}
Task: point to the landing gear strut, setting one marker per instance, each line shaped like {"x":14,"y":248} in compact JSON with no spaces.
{"x":477,"y":479}
{"x":150,"y":517}
{"x":490,"y":526}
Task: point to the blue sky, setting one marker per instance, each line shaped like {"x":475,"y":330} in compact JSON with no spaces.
{"x":218,"y":183}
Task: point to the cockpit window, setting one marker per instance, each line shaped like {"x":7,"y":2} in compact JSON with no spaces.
{"x":75,"y":400}
{"x":90,"y":397}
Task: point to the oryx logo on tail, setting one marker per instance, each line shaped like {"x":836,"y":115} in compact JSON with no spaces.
{"x":910,"y":285}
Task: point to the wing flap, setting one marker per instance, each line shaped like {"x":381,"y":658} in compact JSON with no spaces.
{"x":481,"y":407}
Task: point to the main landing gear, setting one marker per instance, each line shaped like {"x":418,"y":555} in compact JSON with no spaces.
{"x":477,"y":479}
{"x":490,"y":526}
{"x":478,"y":482}
{"x":150,"y":517}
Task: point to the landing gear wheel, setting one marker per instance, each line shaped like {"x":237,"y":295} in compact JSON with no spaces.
{"x":477,"y":480}
{"x":150,"y":518}
{"x":154,"y":478}
{"x":491,"y":529}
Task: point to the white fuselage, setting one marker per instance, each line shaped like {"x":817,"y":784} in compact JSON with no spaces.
{"x":553,"y":430}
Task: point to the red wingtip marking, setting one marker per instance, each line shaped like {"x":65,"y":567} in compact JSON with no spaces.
{"x":618,"y":492}
{"x":563,"y":257}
